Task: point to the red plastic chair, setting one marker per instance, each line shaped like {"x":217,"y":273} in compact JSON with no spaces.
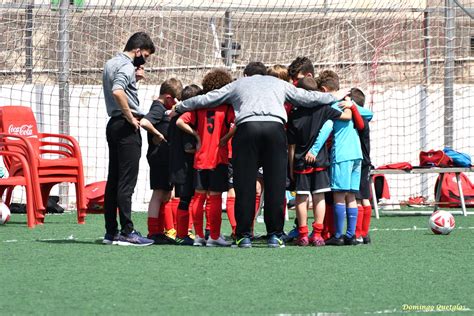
{"x":24,"y":180}
{"x":53,"y":158}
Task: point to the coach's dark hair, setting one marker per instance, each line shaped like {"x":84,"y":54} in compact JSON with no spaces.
{"x":307,"y":83}
{"x":255,"y":68}
{"x":357,"y":96}
{"x":301,"y":65}
{"x":140,"y":40}
{"x":328,"y":79}
{"x":216,"y":79}
{"x":173,"y":87}
{"x":190,"y":91}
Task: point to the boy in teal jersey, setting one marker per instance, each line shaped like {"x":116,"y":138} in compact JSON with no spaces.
{"x":346,"y":157}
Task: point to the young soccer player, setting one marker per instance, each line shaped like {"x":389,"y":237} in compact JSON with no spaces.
{"x":346,"y":157}
{"x":310,"y":177}
{"x":182,"y":149}
{"x":211,"y":159}
{"x":156,"y":122}
{"x":299,"y":68}
{"x":363,"y":196}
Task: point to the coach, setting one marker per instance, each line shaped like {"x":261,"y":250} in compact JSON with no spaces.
{"x":260,"y":140}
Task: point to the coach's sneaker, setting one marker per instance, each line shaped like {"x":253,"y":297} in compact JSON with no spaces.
{"x":244,"y":242}
{"x":134,"y":239}
{"x":219,"y":242}
{"x":302,"y":241}
{"x":199,"y":241}
{"x":110,"y":239}
{"x":366,"y":240}
{"x":350,"y":241}
{"x":334,"y":241}
{"x":360,"y":240}
{"x":186,"y":241}
{"x":275,"y":242}
{"x":316,"y":241}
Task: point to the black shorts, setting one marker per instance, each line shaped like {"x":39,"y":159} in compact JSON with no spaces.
{"x":311,"y":183}
{"x":212,"y":180}
{"x":364,"y":188}
{"x":159,"y":173}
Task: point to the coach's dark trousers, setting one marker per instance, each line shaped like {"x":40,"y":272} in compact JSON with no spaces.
{"x":124,"y":155}
{"x":259,"y":144}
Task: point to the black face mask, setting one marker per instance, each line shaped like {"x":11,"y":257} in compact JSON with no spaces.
{"x":138,"y":61}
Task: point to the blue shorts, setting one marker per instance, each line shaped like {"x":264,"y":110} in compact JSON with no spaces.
{"x":345,"y":175}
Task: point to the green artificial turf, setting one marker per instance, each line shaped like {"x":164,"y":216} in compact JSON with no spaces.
{"x":61,"y":268}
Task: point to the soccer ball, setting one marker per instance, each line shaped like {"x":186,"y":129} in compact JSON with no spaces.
{"x":442,"y":222}
{"x":4,"y":213}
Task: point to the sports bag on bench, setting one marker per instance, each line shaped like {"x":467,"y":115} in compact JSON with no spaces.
{"x":435,"y":158}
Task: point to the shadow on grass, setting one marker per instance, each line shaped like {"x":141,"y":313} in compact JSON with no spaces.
{"x":72,"y":241}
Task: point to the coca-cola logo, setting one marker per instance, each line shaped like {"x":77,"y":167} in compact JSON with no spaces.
{"x":23,"y":130}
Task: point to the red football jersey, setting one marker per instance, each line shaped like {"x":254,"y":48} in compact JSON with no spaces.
{"x":212,"y":125}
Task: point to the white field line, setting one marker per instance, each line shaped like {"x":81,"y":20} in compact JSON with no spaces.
{"x":395,"y":311}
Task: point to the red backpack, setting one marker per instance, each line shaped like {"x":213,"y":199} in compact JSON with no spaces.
{"x":95,"y":193}
{"x":450,"y":192}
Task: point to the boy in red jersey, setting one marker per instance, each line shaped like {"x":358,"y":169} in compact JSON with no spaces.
{"x":310,"y":177}
{"x":211,"y":159}
{"x":156,"y":122}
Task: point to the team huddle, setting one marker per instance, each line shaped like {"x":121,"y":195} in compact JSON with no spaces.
{"x":275,"y":129}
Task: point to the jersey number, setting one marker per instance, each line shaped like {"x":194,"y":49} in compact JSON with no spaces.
{"x":210,"y":121}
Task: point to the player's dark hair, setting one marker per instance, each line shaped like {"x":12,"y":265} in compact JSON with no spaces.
{"x":307,"y":83}
{"x":216,"y":79}
{"x":301,"y":65}
{"x":140,"y":40}
{"x":328,"y":79}
{"x":357,"y":96}
{"x":255,"y":68}
{"x":190,"y":91}
{"x":173,"y":87}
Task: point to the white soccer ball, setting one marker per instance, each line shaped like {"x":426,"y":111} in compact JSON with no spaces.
{"x":4,"y":213}
{"x":442,"y":222}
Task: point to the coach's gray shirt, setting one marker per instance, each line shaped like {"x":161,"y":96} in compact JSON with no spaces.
{"x":119,"y":74}
{"x":257,"y":98}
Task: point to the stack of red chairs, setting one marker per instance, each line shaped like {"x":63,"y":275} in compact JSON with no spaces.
{"x":38,"y":161}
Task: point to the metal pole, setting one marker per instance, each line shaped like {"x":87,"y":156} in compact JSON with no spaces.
{"x":449,"y":72}
{"x":424,"y":94}
{"x":63,"y":80}
{"x":228,"y":39}
{"x":29,"y":43}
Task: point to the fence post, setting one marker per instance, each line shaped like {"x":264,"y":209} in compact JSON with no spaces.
{"x":450,"y":33}
{"x":63,"y":80}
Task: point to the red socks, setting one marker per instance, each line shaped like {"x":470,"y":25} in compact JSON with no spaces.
{"x":207,"y":212}
{"x":174,"y":207}
{"x":197,"y":211}
{"x":366,"y":220}
{"x":360,"y":217}
{"x":230,"y":208}
{"x":154,"y":226}
{"x":257,"y":204}
{"x":329,"y":228}
{"x":363,"y":220}
{"x":168,"y":215}
{"x":215,"y":215}
{"x":303,"y":231}
{"x":318,"y":229}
